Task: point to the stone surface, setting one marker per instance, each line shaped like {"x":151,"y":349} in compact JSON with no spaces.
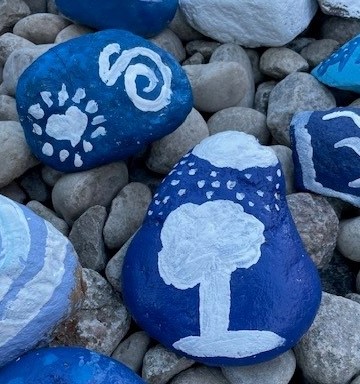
{"x":50,"y":175}
{"x":348,"y":238}
{"x":101,"y":322}
{"x":86,"y":237}
{"x":99,"y":108}
{"x":74,"y":193}
{"x":284,"y":154}
{"x":262,"y":96}
{"x":70,"y":32}
{"x":14,"y":192}
{"x":10,"y":12}
{"x":340,"y":29}
{"x":8,"y":108}
{"x":342,"y":8}
{"x":145,"y":18}
{"x":195,"y":59}
{"x":317,"y":224}
{"x":319,"y":50}
{"x":330,"y":351}
{"x":297,"y":92}
{"x":40,"y":283}
{"x":9,"y":43}
{"x":160,"y":365}
{"x":170,"y":42}
{"x":34,"y":186}
{"x":37,"y":6}
{"x":206,"y":48}
{"x":200,"y":375}
{"x":254,"y":58}
{"x":231,"y":21}
{"x":324,"y":140}
{"x":126,"y":214}
{"x":223,"y":200}
{"x":166,"y":152}
{"x":277,"y":371}
{"x":181,"y":27}
{"x":67,"y":365}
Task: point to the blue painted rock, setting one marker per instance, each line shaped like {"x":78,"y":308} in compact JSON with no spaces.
{"x":145,"y":18}
{"x":66,"y":365}
{"x":100,"y":98}
{"x":217,"y":271}
{"x":40,"y":279}
{"x":342,"y":68}
{"x":326,"y":150}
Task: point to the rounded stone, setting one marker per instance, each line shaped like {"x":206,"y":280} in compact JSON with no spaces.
{"x":169,"y":41}
{"x":319,"y":50}
{"x":340,"y":29}
{"x":70,"y":32}
{"x":181,"y":27}
{"x":9,"y":43}
{"x":348,"y":239}
{"x":8,"y":108}
{"x":284,"y":154}
{"x":12,"y":11}
{"x":200,"y":375}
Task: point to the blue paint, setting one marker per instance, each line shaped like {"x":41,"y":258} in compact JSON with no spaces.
{"x":65,"y":365}
{"x":145,"y":18}
{"x":324,"y":162}
{"x":280,"y":293}
{"x":342,"y":68}
{"x":100,"y":98}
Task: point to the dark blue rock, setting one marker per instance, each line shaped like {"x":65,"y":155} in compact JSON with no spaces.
{"x":342,"y":68}
{"x":66,"y":365}
{"x":217,"y":271}
{"x":145,"y":18}
{"x":100,"y":98}
{"x":326,"y":150}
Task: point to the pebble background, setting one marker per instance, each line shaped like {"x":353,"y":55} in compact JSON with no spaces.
{"x":100,"y":209}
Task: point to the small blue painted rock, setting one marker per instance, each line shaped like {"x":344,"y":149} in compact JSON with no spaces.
{"x":217,"y":271}
{"x":342,"y":68}
{"x":326,"y":150}
{"x":40,"y":279}
{"x":100,"y":98}
{"x":145,"y":18}
{"x":66,"y":365}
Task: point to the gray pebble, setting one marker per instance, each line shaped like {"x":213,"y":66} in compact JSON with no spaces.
{"x":50,"y":175}
{"x":127,"y":212}
{"x":87,"y":238}
{"x":8,"y":108}
{"x":240,"y":119}
{"x":70,"y":32}
{"x":262,"y":95}
{"x":15,"y":155}
{"x":299,"y":43}
{"x":353,"y":296}
{"x":297,"y":92}
{"x":182,"y":28}
{"x":284,"y":154}
{"x":9,"y":43}
{"x":196,"y":58}
{"x":318,"y":51}
{"x":13,"y":192}
{"x":330,"y":351}
{"x":254,"y":58}
{"x":206,"y":48}
{"x":51,"y":7}
{"x":348,"y":241}
{"x":341,"y":8}
{"x":166,"y":152}
{"x":356,"y":381}
{"x":160,"y":365}
{"x":132,"y":350}
{"x":200,"y":375}
{"x":277,"y":371}
{"x":11,"y":11}
{"x":317,"y":224}
{"x":34,"y":186}
{"x":74,"y":193}
{"x":280,"y":62}
{"x":355,"y":103}
{"x":340,"y":29}
{"x":37,"y":6}
{"x":170,"y":42}
{"x":49,"y":215}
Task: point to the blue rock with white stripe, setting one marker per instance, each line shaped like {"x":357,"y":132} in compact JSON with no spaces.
{"x":100,"y":98}
{"x":218,"y":272}
{"x":326,"y":152}
{"x":40,"y":279}
{"x":66,"y":365}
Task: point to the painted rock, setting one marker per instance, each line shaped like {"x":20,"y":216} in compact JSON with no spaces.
{"x":326,"y":150}
{"x":66,"y":365}
{"x":40,"y":279}
{"x":342,"y":68}
{"x":100,"y":98}
{"x":217,"y":271}
{"x":145,"y":18}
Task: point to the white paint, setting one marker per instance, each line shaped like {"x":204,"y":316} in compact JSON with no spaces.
{"x":270,"y":178}
{"x":335,"y":115}
{"x":201,"y":184}
{"x":183,"y":162}
{"x":91,"y":107}
{"x":150,"y":212}
{"x":36,"y":111}
{"x":209,"y":194}
{"x":63,"y":155}
{"x":192,"y":172}
{"x":98,"y":120}
{"x":277,"y":186}
{"x":88,"y":147}
{"x":46,"y":96}
{"x":157,"y":202}
{"x":213,"y":174}
{"x":182,"y":192}
{"x":166,"y":199}
{"x":248,"y":175}
{"x":37,"y":129}
{"x":231,"y":184}
{"x":215,"y":184}
{"x":267,"y":207}
{"x":278,"y":172}
{"x":277,"y":207}
{"x":175,"y":182}
{"x":260,"y":193}
{"x":78,"y":161}
{"x":109,"y":74}
{"x":251,"y":204}
{"x":100,"y":131}
{"x":63,"y":96}
{"x":191,"y":164}
{"x":47,"y":149}
{"x":277,"y":196}
{"x":240,"y":196}
{"x":79,"y":95}
{"x":350,"y":142}
{"x":179,"y":173}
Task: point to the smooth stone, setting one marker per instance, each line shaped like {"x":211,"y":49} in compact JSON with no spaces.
{"x":101,"y":322}
{"x":280,"y":62}
{"x":317,"y":224}
{"x":160,"y":365}
{"x":34,"y":186}
{"x":49,"y":215}
{"x":51,"y":7}
{"x":284,"y":154}
{"x":28,"y":27}
{"x":227,"y":189}
{"x":299,"y":43}
{"x":96,"y":187}
{"x":262,"y":96}
{"x":297,"y":92}
{"x":67,"y":365}
{"x":87,"y":114}
{"x":87,"y":239}
{"x":323,"y":141}
{"x":182,"y":28}
{"x":196,"y":58}
{"x":9,"y":43}
{"x":127,"y":212}
{"x":231,"y":21}
{"x":11,"y":11}
{"x":166,"y":152}
{"x":330,"y":351}
{"x":341,"y":8}
{"x":40,"y":283}
{"x":217,"y":85}
{"x":50,"y":175}
{"x":14,"y":192}
{"x":254,"y":58}
{"x":348,"y":238}
{"x":170,"y":42}
{"x":70,"y":32}
{"x":144,"y":18}
{"x":15,"y":155}
{"x":355,"y":103}
{"x":37,"y":6}
{"x":342,"y":68}
{"x":200,"y":375}
{"x":206,"y":48}
{"x":8,"y":108}
{"x":131,"y":351}
{"x":340,"y":29}
{"x":240,"y":119}
{"x":353,"y":296}
{"x":276,"y":371}
{"x":319,"y":50}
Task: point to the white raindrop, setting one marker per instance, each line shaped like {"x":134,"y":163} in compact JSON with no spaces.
{"x":175,"y":182}
{"x":240,"y":196}
{"x":260,"y":193}
{"x":251,"y":204}
{"x":270,"y":178}
{"x":231,"y":184}
{"x":248,"y":175}
{"x":201,"y":183}
{"x":278,"y":172}
{"x":192,"y":172}
{"x":182,"y":192}
{"x":209,"y":194}
{"x":48,"y":149}
{"x":215,"y":184}
{"x":213,"y":174}
{"x":78,"y":161}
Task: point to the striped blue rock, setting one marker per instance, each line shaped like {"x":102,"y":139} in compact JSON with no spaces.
{"x":40,"y":279}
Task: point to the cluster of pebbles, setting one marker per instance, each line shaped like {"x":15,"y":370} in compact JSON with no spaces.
{"x":252,"y":90}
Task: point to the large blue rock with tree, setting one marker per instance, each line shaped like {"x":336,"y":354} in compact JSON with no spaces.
{"x":217,"y":271}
